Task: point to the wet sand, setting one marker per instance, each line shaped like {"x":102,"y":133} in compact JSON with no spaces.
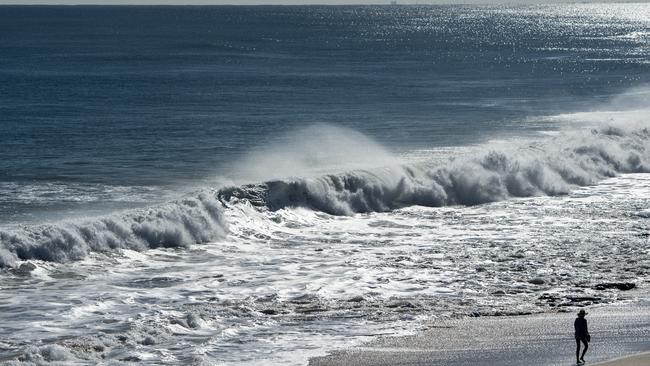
{"x":540,"y":339}
{"x":636,"y":360}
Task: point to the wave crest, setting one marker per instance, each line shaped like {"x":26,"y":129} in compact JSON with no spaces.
{"x":175,"y":224}
{"x":551,"y":168}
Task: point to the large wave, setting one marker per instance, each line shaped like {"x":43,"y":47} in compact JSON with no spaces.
{"x":180,"y":223}
{"x":551,"y":167}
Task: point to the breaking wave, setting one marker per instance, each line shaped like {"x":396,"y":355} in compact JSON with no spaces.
{"x":551,"y":167}
{"x":175,"y":224}
{"x":548,"y":167}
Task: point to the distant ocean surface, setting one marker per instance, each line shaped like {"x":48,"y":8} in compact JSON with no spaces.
{"x":259,"y":185}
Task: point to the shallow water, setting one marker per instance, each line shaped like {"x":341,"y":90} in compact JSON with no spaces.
{"x":289,"y":284}
{"x":258,"y":185}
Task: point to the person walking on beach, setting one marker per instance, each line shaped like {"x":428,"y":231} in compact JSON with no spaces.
{"x":582,"y":335}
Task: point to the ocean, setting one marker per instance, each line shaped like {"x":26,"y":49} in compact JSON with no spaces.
{"x":242,"y":185}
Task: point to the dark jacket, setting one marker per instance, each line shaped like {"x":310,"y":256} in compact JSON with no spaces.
{"x":581,"y":328}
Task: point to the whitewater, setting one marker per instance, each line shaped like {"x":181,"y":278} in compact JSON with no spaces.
{"x":547,"y":167}
{"x":262,"y":185}
{"x":253,"y":273}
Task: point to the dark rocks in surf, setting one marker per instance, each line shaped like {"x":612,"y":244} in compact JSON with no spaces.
{"x":623,"y":286}
{"x":310,"y":309}
{"x":555,"y":300}
{"x":131,"y":359}
{"x":584,"y":300}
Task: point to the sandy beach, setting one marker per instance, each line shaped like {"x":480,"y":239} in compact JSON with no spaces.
{"x":620,"y":333}
{"x":642,"y":359}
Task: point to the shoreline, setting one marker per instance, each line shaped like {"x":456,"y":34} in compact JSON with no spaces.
{"x":620,"y":337}
{"x":640,"y":359}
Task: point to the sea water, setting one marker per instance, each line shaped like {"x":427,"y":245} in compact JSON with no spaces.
{"x":258,"y":185}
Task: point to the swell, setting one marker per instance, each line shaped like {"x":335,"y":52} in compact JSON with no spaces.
{"x":175,"y":224}
{"x":551,"y":167}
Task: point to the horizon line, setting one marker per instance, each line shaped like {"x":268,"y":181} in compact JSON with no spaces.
{"x":386,"y":3}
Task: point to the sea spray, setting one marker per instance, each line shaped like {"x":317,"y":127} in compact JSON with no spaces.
{"x":311,"y":151}
{"x":550,"y":167}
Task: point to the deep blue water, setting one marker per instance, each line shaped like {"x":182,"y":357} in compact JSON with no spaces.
{"x":167,"y":96}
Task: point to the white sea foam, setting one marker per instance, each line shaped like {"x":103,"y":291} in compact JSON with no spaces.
{"x":636,"y":36}
{"x":179,"y":223}
{"x":295,"y":282}
{"x":552,"y":166}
